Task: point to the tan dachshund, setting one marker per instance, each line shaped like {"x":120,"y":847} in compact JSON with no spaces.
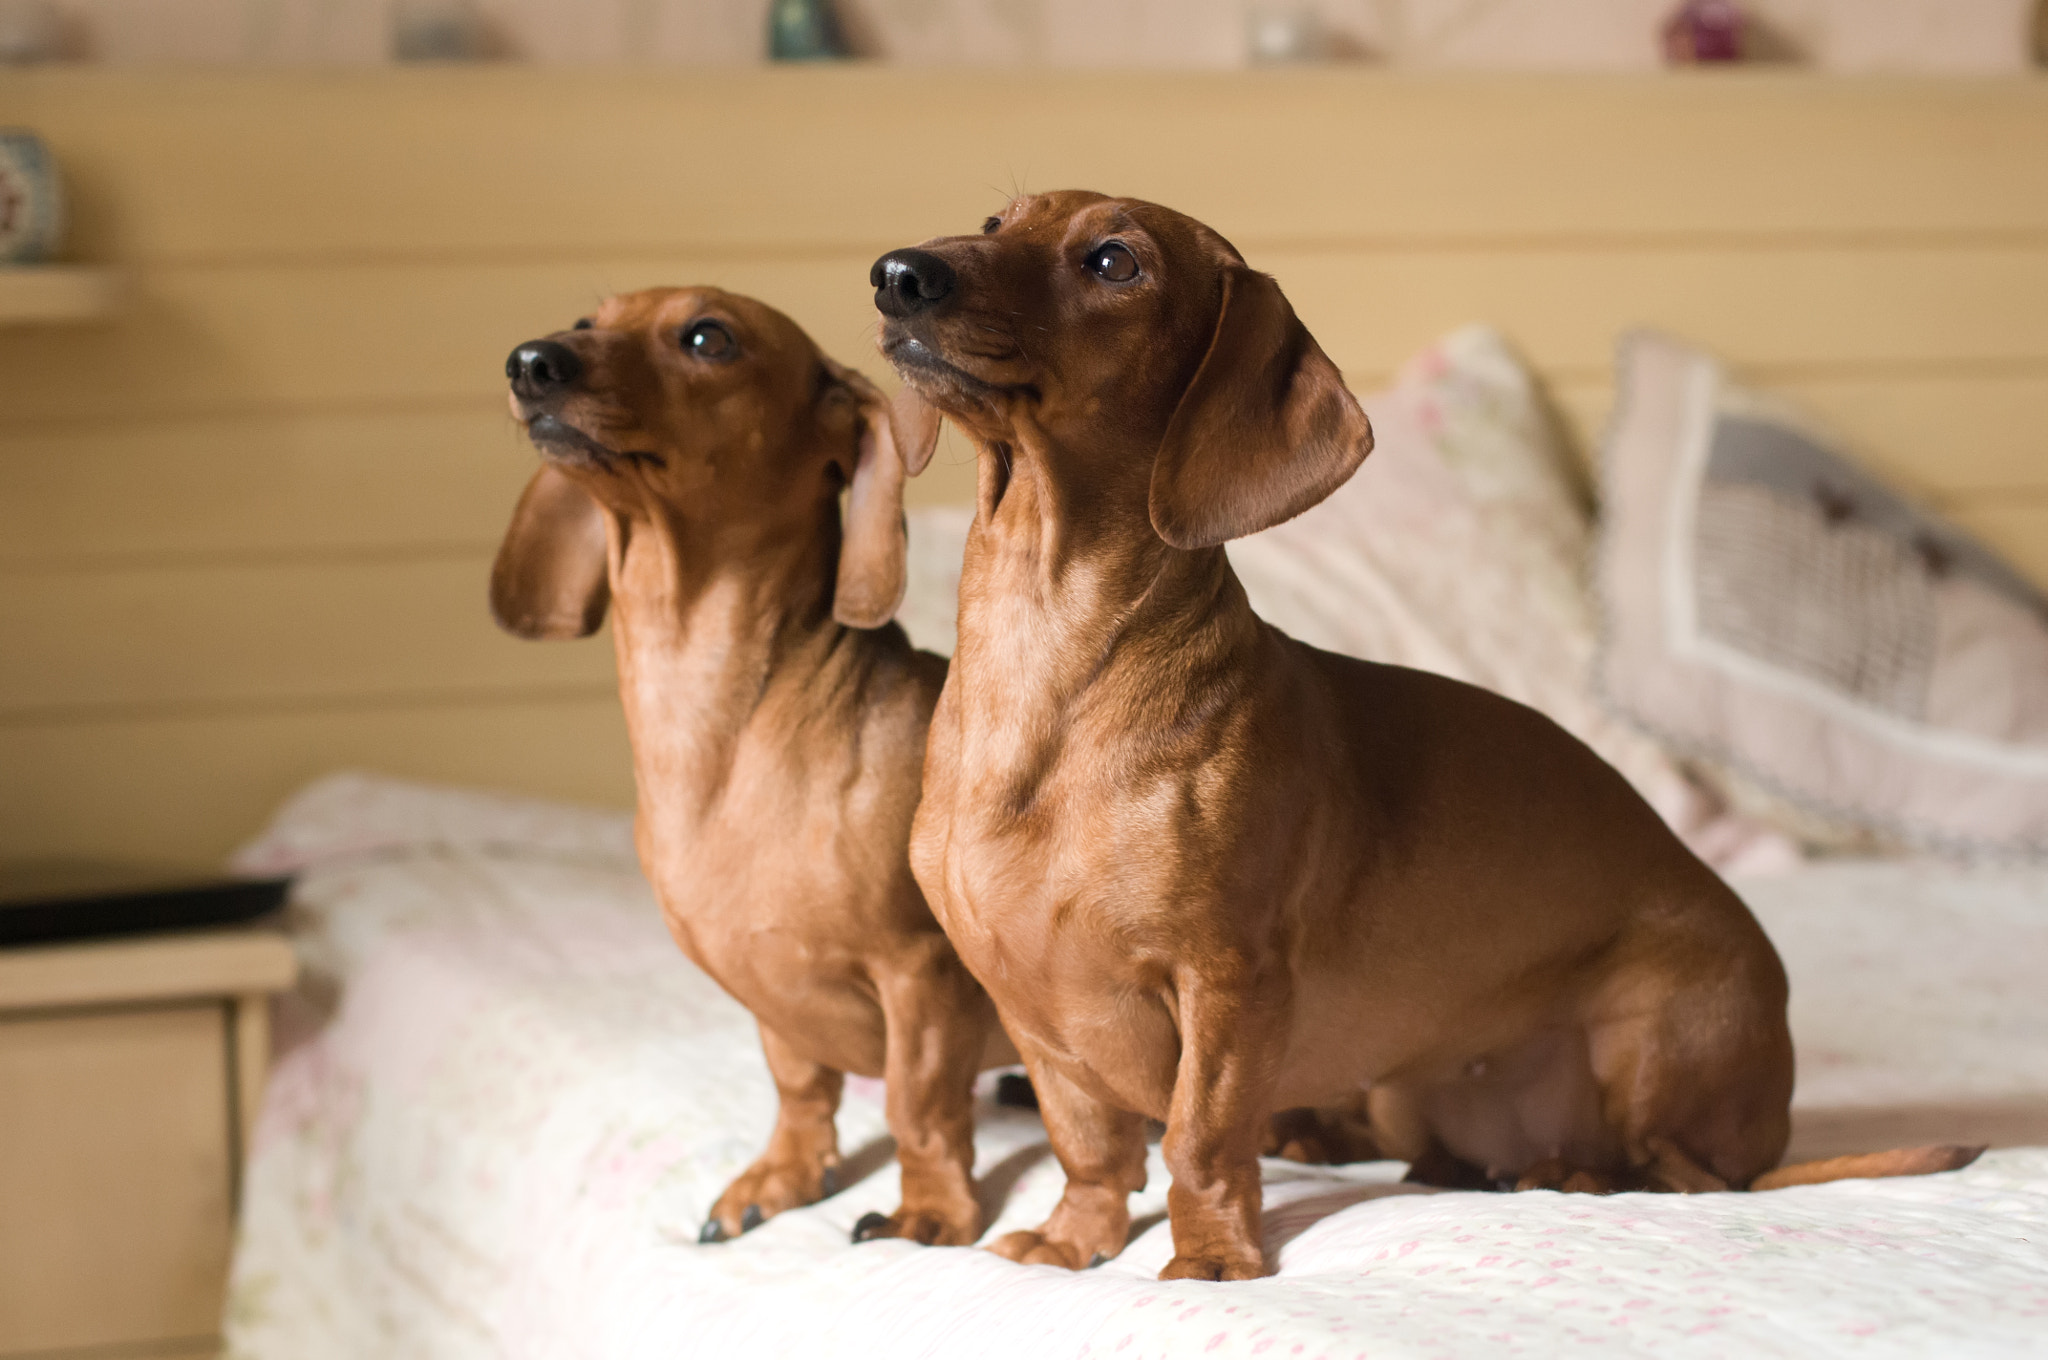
{"x":1208,"y":872}
{"x":694,"y":446}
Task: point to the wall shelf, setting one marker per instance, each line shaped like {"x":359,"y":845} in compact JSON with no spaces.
{"x":50,"y":294}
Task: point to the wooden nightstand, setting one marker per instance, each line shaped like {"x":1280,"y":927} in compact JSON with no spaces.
{"x":130,"y":1073}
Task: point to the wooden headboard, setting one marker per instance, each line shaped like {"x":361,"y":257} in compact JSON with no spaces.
{"x":244,"y":526}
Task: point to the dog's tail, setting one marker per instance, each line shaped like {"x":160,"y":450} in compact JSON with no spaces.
{"x":1919,"y":1161}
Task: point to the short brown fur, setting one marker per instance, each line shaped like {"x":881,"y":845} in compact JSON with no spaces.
{"x":777,"y":717}
{"x":1208,"y":872}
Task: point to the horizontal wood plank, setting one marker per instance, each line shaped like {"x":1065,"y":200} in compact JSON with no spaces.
{"x":317,"y":483}
{"x":444,"y":477}
{"x":187,"y":790}
{"x":275,"y":339}
{"x":56,"y":294}
{"x":327,"y":163}
{"x":1783,"y":314}
{"x":2015,"y":527}
{"x":1935,"y":435}
{"x":294,"y":633}
{"x":220,"y":964}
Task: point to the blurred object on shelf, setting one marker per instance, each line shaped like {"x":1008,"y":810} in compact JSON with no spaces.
{"x":31,"y":199}
{"x":1284,"y":35}
{"x":1947,"y":36}
{"x":30,"y":31}
{"x":1960,"y":37}
{"x":1704,"y":31}
{"x":805,"y":30}
{"x":440,"y":30}
{"x":2041,"y":33}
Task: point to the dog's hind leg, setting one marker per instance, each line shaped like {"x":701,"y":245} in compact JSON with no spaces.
{"x":937,"y":1017}
{"x":1555,"y":1173}
{"x":1439,"y":1167}
{"x":1334,"y":1135}
{"x":1694,"y":1067}
{"x":1672,"y":1170}
{"x":1102,"y":1150}
{"x":802,"y":1158}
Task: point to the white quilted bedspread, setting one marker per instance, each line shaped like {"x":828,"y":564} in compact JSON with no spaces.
{"x":506,"y":1101}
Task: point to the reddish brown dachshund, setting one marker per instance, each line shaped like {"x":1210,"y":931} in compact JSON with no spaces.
{"x":1208,"y":872}
{"x":694,"y":448}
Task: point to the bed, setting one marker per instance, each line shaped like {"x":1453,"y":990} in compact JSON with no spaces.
{"x":505,"y":1103}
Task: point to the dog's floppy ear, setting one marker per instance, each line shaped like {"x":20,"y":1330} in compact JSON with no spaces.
{"x":896,"y":440}
{"x":1266,"y":429}
{"x":916,"y":422}
{"x":550,"y":578}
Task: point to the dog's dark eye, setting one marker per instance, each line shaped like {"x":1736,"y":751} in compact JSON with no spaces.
{"x":582,"y":324}
{"x":990,"y":227}
{"x":709,"y":340}
{"x":1112,"y":262}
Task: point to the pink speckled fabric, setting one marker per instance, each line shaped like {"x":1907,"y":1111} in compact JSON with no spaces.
{"x":505,"y":1103}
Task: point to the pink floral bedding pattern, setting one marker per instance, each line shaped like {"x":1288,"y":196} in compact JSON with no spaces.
{"x":506,"y":1101}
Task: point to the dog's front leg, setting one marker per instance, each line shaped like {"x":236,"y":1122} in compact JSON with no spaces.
{"x":937,"y":1019}
{"x":802,"y":1161}
{"x":1102,"y":1150}
{"x":1233,"y":1031}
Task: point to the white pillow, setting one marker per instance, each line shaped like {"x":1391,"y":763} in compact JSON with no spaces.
{"x":1775,"y":610}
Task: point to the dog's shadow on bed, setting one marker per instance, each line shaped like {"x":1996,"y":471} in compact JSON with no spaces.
{"x":2002,"y":1123}
{"x":1282,"y":1223}
{"x":991,"y":1189}
{"x":865,"y":1160}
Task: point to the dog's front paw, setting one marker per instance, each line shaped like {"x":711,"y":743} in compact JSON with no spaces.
{"x":769,"y":1187}
{"x":1233,"y":1267}
{"x":1036,"y":1249}
{"x":928,"y":1227}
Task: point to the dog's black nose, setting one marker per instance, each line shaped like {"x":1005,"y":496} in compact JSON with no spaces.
{"x":540,"y":367}
{"x":909,"y":281}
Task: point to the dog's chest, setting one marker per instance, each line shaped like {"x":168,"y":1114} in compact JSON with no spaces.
{"x":1049,"y":853}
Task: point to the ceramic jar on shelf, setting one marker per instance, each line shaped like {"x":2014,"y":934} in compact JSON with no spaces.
{"x":31,"y":199}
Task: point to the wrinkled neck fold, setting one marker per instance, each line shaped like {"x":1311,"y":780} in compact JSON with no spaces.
{"x":1076,"y":541}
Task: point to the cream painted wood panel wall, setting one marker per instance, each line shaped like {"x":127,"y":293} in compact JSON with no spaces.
{"x":244,"y":527}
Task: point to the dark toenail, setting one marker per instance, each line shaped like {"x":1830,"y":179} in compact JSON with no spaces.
{"x":751,"y":1218}
{"x":1015,"y":1090}
{"x":870,"y":1225}
{"x":1097,"y":1259}
{"x":828,"y":1184}
{"x":712,"y":1231}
